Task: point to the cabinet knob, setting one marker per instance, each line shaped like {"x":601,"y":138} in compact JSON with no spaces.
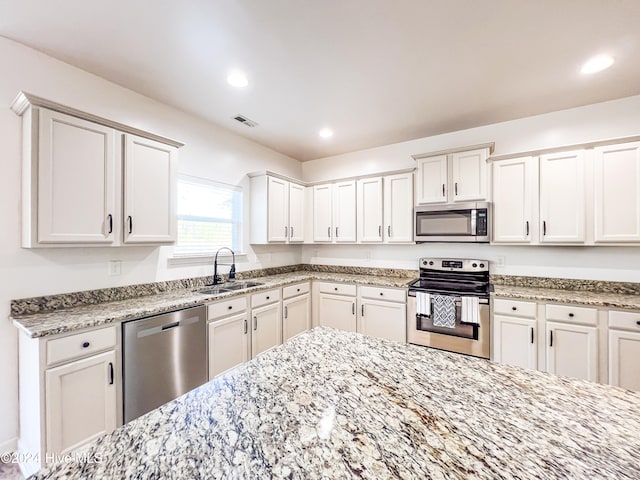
{"x":230,"y":307}
{"x":336,"y":289}
{"x":638,"y":322}
{"x":571,"y":315}
{"x":268,"y":298}
{"x":297,"y":289}
{"x":381,"y":294}
{"x":514,"y":308}
{"x":85,"y":344}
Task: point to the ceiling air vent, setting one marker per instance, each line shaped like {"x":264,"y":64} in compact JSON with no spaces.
{"x":244,"y":120}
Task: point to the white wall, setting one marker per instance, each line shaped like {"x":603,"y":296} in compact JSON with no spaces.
{"x":210,"y":152}
{"x":615,"y":119}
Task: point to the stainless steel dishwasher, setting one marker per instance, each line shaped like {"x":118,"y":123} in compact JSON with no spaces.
{"x":164,"y":356}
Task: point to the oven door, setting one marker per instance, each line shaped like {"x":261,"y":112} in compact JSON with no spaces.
{"x":464,"y":338}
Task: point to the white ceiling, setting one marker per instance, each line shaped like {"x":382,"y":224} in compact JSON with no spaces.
{"x":375,"y":71}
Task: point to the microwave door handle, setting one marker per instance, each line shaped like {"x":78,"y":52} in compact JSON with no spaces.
{"x":474,"y":229}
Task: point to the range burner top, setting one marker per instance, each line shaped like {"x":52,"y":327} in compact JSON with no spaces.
{"x":453,"y":276}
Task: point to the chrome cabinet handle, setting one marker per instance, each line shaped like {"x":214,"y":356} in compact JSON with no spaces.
{"x":110,"y":373}
{"x":389,"y":231}
{"x":531,"y":334}
{"x":130,"y":224}
{"x":551,"y":338}
{"x":110,"y":217}
{"x":291,"y":232}
{"x":443,"y":189}
{"x":286,"y":231}
{"x":353,"y":308}
{"x":362,"y":310}
{"x":527,"y":226}
{"x":544,"y":227}
{"x":336,"y":232}
{"x":329,"y":232}
{"x":255,"y":323}
{"x":455,"y":188}
{"x":286,"y":312}
{"x":246,"y":327}
{"x":380,"y":231}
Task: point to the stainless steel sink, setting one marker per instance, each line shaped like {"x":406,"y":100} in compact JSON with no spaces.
{"x":226,"y":287}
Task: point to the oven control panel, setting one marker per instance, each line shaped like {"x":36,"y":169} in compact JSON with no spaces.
{"x":454,"y":264}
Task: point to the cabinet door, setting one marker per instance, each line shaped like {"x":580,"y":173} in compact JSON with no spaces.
{"x":150,"y":191}
{"x":80,"y":402}
{"x":296,"y":212}
{"x":469,"y":175}
{"x":337,"y":311}
{"x":562,"y":197}
{"x":624,"y":352}
{"x":514,"y":199}
{"x":515,"y":341}
{"x":617,"y":193}
{"x":386,"y":320}
{"x":370,"y":210}
{"x":76,"y":180}
{"x":398,"y":208}
{"x":267,"y":328}
{"x":278,"y":209}
{"x":572,"y":350}
{"x":228,"y":344}
{"x":322,"y":213}
{"x":296,"y":316}
{"x":344,"y":211}
{"x":431,"y":180}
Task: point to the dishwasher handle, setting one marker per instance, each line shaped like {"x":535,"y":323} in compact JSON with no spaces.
{"x":170,"y":325}
{"x":166,"y":327}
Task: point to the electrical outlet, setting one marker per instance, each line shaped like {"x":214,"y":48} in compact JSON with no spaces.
{"x":115,"y":267}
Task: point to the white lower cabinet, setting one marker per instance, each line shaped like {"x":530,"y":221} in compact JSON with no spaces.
{"x":228,"y":335}
{"x":383,"y":313}
{"x":266,"y":316}
{"x":296,"y":310}
{"x":337,"y":306}
{"x":69,"y":391}
{"x":80,"y":402}
{"x":515,"y":333}
{"x":624,"y":349}
{"x":572,"y":350}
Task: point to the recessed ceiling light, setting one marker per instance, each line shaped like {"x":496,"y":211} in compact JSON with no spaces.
{"x":237,"y":79}
{"x":326,"y":133}
{"x":597,"y":64}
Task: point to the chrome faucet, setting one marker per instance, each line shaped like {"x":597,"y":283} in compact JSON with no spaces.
{"x":232,"y":272}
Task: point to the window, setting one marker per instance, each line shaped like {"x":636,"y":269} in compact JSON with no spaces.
{"x":209,"y":217}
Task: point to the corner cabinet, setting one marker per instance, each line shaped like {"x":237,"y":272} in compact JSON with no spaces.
{"x":277,"y":209}
{"x":80,"y":172}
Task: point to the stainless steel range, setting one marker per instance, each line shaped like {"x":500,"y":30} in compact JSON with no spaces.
{"x":448,"y":306}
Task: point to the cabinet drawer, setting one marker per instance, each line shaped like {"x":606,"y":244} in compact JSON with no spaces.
{"x":625,"y":320}
{"x":293,"y":290}
{"x":226,"y":307}
{"x":572,"y":314}
{"x":80,"y":344}
{"x":514,"y":308}
{"x":264,"y":298}
{"x":337,"y":288}
{"x":378,"y":293}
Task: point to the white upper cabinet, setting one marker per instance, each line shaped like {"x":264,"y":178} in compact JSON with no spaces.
{"x":344,"y":211}
{"x":150,"y":191}
{"x":562,"y":197}
{"x":515,"y":188}
{"x":431,"y":180}
{"x":369,"y":210}
{"x":296,"y":212}
{"x":88,"y":180}
{"x":277,"y":210}
{"x":453,"y":177}
{"x":398,"y":208}
{"x":617,"y":193}
{"x":322,"y":212}
{"x":469,"y":171}
{"x":75,"y":169}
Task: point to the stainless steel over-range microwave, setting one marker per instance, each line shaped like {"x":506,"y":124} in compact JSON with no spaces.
{"x":462,"y":222}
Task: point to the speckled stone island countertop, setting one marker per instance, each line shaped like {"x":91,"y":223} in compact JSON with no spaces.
{"x":54,"y":320}
{"x":334,"y":405}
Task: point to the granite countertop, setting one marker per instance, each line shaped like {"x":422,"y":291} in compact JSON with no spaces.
{"x":94,"y":315}
{"x":329,"y":404}
{"x":582,"y":297}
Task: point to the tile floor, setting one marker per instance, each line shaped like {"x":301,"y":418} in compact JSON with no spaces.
{"x":10,"y":471}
